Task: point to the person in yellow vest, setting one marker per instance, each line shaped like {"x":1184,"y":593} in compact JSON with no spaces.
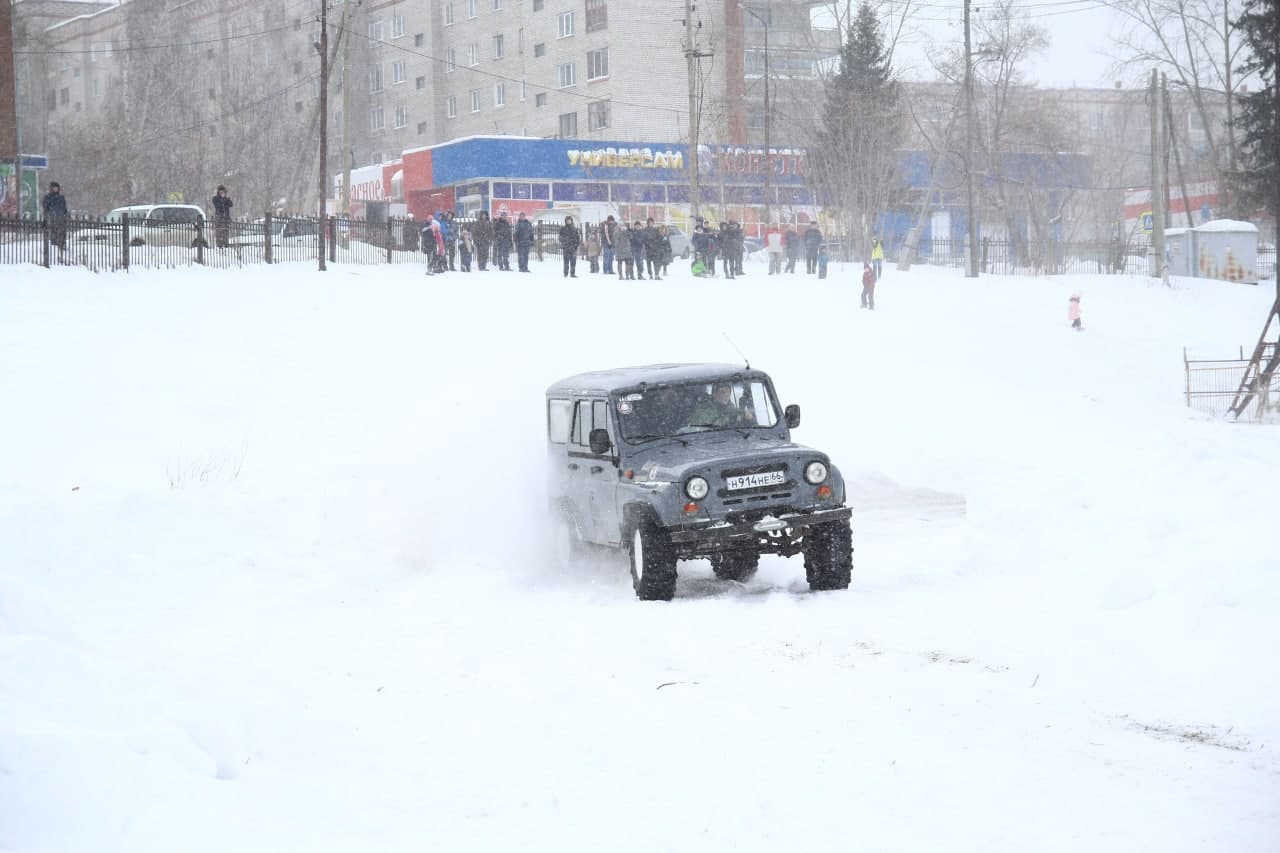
{"x":877,"y":256}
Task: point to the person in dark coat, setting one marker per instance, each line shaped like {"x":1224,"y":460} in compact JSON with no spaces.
{"x":524,"y":242}
{"x":608,"y":243}
{"x":624,"y":255}
{"x":710,"y":247}
{"x":409,"y":234}
{"x":482,"y":236}
{"x":637,"y":248}
{"x":791,"y":241}
{"x":502,"y":242}
{"x":652,"y":251}
{"x":726,"y":249}
{"x":812,"y":243}
{"x":222,"y":204}
{"x":570,"y":240}
{"x":451,"y":238}
{"x":55,"y":215}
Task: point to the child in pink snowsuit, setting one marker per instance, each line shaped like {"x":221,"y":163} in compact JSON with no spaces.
{"x":1073,"y":311}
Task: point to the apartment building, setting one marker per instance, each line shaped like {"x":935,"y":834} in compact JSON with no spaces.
{"x":607,"y":69}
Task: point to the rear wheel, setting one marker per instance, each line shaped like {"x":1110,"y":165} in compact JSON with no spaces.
{"x":828,"y":555}
{"x":735,"y":565}
{"x":653,"y":562}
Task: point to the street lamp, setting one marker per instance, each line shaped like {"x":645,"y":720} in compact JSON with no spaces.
{"x":768,"y":165}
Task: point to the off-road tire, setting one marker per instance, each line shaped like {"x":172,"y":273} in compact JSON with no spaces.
{"x":735,"y":565}
{"x":653,"y":562}
{"x":828,"y":555}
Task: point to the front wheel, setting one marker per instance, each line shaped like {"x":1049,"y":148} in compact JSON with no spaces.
{"x":828,"y":555}
{"x":653,"y":562}
{"x":735,"y":566}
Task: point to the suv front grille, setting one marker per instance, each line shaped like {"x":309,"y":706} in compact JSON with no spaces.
{"x":754,"y":514}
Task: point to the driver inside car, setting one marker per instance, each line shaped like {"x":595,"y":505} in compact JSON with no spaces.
{"x":717,"y":409}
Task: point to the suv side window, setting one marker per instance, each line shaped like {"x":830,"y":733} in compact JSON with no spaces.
{"x":558,"y":412}
{"x":184,"y":215}
{"x":581,"y":422}
{"x":600,"y":417}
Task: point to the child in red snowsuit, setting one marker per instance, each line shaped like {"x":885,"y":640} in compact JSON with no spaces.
{"x":868,"y":286}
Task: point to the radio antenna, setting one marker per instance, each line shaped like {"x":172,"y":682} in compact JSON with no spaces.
{"x":745,"y":360}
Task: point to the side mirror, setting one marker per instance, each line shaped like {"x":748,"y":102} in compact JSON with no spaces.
{"x":599,"y":441}
{"x":792,"y":414}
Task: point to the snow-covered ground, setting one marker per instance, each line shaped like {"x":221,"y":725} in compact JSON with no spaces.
{"x":272,"y":572}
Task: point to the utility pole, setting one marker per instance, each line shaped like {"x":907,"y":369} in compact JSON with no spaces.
{"x":345,"y":37}
{"x":323,"y":47}
{"x":768,"y":160}
{"x":692,"y":55}
{"x":1157,"y":178}
{"x":971,"y":269}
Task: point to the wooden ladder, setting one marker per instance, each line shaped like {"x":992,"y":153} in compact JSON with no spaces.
{"x":1262,"y":367}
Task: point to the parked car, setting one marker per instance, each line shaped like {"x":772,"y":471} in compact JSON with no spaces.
{"x":150,"y":225}
{"x":285,"y":233}
{"x":681,"y":461}
{"x":681,"y":243}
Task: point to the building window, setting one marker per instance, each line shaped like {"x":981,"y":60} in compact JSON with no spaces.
{"x":597,"y":15}
{"x":422,"y":128}
{"x":597,"y":63}
{"x":568,"y":125}
{"x":419,"y":83}
{"x":566,"y":24}
{"x":539,"y":49}
{"x":375,"y":29}
{"x":498,"y":47}
{"x":402,"y":116}
{"x":537,"y":5}
{"x":598,"y":115}
{"x":375,"y":78}
{"x":499,"y":94}
{"x":497,"y":5}
{"x":448,"y":13}
{"x":568,"y":75}
{"x":419,"y":40}
{"x":471,"y":8}
{"x":451,"y":106}
{"x":475,"y":100}
{"x":473,"y":53}
{"x":397,"y":26}
{"x":375,"y":119}
{"x":450,"y":61}
{"x":297,"y":106}
{"x":540,"y":99}
{"x":522,"y":90}
{"x":397,"y":72}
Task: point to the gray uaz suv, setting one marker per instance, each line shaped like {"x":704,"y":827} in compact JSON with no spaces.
{"x":677,"y":461}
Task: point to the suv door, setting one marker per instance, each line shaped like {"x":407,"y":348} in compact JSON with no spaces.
{"x":593,"y":477}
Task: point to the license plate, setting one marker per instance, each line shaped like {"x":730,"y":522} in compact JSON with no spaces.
{"x":754,"y":481}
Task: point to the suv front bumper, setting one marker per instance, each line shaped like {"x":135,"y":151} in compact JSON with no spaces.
{"x":780,"y":534}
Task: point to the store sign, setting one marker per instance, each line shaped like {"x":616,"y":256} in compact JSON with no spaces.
{"x":626,"y":158}
{"x":739,"y":161}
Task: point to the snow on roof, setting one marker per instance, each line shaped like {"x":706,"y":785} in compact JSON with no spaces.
{"x":1228,"y":225}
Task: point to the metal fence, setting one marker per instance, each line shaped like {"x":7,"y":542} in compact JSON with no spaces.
{"x":1020,"y":257}
{"x":100,"y":244}
{"x":1211,"y":384}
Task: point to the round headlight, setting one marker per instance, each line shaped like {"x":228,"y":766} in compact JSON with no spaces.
{"x":696,"y":488}
{"x":815,"y":473}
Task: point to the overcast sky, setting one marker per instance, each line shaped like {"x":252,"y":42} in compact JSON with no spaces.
{"x":1079,"y":35}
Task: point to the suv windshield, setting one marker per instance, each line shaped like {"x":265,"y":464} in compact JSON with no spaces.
{"x":692,"y":407}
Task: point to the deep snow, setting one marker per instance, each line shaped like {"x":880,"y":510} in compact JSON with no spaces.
{"x":272,"y":572}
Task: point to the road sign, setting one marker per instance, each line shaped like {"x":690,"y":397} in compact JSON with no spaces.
{"x":35,"y":161}
{"x":1147,"y":222}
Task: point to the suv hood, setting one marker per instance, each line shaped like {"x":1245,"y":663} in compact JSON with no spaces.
{"x":670,"y":460}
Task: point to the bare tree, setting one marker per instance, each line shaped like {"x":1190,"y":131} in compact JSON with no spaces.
{"x":1195,"y":43}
